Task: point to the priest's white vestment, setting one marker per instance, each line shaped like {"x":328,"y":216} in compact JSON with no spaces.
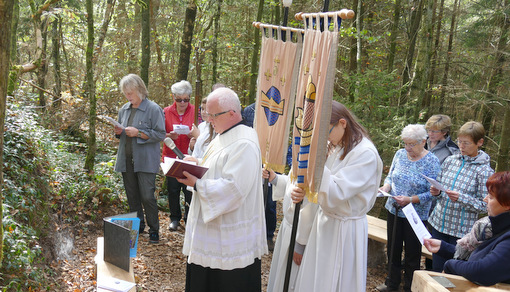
{"x":226,"y":225}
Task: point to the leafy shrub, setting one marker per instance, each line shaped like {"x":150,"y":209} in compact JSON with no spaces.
{"x":43,"y":174}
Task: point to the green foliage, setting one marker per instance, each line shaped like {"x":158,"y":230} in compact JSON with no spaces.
{"x":43,"y":174}
{"x":374,"y":90}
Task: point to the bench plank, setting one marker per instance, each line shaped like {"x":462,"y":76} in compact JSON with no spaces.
{"x":423,"y":282}
{"x":377,"y":231}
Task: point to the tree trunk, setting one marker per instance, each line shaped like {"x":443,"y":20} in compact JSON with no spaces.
{"x":393,"y":35}
{"x":255,"y":57}
{"x":499,"y":86}
{"x":277,"y":12}
{"x":502,"y":163}
{"x":146,"y":40}
{"x":89,"y":53}
{"x":43,"y":69}
{"x":6,"y":10}
{"x":433,"y":63}
{"x":14,"y":28}
{"x":187,"y":37}
{"x":449,"y":52}
{"x":422,"y":73}
{"x":353,"y":52}
{"x":161,"y":68}
{"x":214,"y":48}
{"x":416,"y":12}
{"x":55,"y":41}
{"x":101,"y":35}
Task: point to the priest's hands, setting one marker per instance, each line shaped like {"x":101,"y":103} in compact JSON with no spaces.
{"x":190,"y":179}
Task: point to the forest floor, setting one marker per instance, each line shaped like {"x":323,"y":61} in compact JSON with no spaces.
{"x":157,"y":267}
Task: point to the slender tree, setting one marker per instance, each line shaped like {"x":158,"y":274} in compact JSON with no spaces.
{"x":146,"y":37}
{"x":255,"y":56}
{"x":6,"y":10}
{"x":499,"y":84}
{"x":216,"y":33}
{"x":90,"y":88}
{"x":187,"y":37}
{"x":444,"y":82}
{"x":393,"y":34}
{"x":416,"y":12}
{"x":55,"y":55}
{"x":423,"y":61}
{"x":14,"y":28}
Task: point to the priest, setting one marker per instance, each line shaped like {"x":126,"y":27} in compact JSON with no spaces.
{"x":225,"y":233}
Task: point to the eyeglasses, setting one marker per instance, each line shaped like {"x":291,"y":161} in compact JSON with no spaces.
{"x":218,"y":114}
{"x":409,"y":145}
{"x":434,"y":131}
{"x":464,"y":143}
{"x":182,"y":99}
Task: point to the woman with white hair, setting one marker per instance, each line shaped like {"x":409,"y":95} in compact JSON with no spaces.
{"x":180,"y":113}
{"x":406,"y":184}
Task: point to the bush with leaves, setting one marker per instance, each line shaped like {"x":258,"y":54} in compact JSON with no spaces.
{"x":44,"y":175}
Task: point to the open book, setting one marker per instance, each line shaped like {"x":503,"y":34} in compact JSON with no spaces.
{"x":174,"y":168}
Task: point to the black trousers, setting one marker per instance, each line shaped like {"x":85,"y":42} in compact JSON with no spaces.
{"x":174,"y":198}
{"x":202,"y":279}
{"x":404,"y":239}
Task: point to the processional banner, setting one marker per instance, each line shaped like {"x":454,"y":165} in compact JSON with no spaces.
{"x":313,"y":100}
{"x":277,"y":82}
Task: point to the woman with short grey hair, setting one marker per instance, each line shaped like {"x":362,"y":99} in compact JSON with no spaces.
{"x":406,"y":184}
{"x":142,"y":129}
{"x":182,"y":87}
{"x":133,"y":82}
{"x":180,"y":114}
{"x":415,"y":132}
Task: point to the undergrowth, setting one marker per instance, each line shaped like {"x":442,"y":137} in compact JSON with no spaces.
{"x":44,"y":179}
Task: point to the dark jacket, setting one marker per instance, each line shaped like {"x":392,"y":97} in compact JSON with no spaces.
{"x":490,"y":261}
{"x":443,"y":149}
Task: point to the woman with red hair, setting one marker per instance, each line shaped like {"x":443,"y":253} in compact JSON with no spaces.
{"x":488,"y":263}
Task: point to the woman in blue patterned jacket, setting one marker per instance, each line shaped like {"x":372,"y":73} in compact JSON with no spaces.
{"x":406,"y":184}
{"x":463,"y":176}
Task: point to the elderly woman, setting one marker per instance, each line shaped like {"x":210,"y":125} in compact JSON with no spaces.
{"x":439,"y":142}
{"x":180,"y":113}
{"x":463,"y":175}
{"x":143,"y":128}
{"x":406,"y":184}
{"x":488,"y":263}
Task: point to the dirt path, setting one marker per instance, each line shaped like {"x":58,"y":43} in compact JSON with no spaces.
{"x":158,"y":267}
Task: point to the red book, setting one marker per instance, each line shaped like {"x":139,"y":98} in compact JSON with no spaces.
{"x":174,"y":168}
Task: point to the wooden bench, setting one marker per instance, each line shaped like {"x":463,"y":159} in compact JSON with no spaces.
{"x":377,"y":232}
{"x":423,"y":281}
{"x":105,"y":269}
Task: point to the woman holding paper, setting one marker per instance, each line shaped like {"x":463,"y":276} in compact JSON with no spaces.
{"x":488,"y":263}
{"x":407,"y":185}
{"x":463,"y":175}
{"x":140,"y":131}
{"x":179,"y":119}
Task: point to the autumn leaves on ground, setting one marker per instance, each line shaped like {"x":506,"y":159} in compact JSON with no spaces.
{"x":157,"y":267}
